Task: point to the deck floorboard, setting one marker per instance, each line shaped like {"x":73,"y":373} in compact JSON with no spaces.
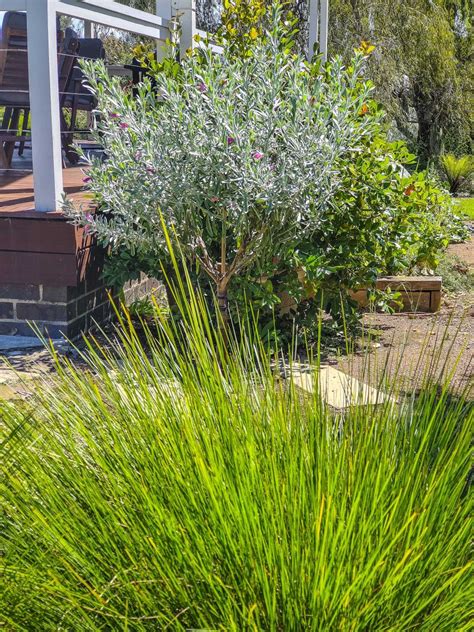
{"x":17,"y":197}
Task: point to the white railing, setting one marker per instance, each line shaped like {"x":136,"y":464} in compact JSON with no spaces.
{"x":43,"y":65}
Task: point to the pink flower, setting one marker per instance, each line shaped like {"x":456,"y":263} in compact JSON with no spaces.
{"x":150,"y":169}
{"x":124,"y":125}
{"x":114,"y":115}
{"x":138,"y":155}
{"x":201,"y":86}
{"x":214,"y":199}
{"x":230,"y":140}
{"x":88,"y":227}
{"x":257,"y":155}
{"x":87,"y":179}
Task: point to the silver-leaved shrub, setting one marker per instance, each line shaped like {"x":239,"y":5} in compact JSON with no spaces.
{"x":241,"y":161}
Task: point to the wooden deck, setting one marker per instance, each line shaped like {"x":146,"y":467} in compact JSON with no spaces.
{"x":17,"y":200}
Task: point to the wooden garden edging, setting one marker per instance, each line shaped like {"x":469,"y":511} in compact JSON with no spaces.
{"x":418,"y":293}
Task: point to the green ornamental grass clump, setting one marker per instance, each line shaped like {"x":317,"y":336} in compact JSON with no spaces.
{"x":186,"y":486}
{"x":273,"y":174}
{"x":457,"y":170}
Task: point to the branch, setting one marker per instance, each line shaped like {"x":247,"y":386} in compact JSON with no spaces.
{"x":242,"y":258}
{"x":206,"y":261}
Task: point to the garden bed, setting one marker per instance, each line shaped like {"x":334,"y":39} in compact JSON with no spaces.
{"x":405,"y":344}
{"x":416,"y":293}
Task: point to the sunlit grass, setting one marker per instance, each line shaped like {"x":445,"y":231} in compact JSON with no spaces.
{"x":181,"y":484}
{"x":466,"y":206}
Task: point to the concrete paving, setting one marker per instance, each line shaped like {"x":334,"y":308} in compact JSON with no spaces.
{"x":15,"y":343}
{"x":338,"y":390}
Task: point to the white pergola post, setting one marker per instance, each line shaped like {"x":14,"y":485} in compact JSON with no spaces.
{"x":313,"y":27}
{"x":185,"y":11}
{"x":43,"y":72}
{"x":318,"y":23}
{"x":323,"y":29}
{"x":44,"y":104}
{"x":88,"y":28}
{"x":164,"y":9}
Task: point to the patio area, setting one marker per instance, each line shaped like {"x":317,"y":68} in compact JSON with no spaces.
{"x":50,"y":270}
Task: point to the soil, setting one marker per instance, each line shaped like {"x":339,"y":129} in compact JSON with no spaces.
{"x":411,"y":346}
{"x":464,"y":251}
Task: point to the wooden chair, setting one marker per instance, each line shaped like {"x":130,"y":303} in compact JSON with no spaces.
{"x":139,"y":73}
{"x":78,"y":98}
{"x":14,"y":84}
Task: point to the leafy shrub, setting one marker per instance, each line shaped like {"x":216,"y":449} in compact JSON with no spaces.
{"x":458,"y":171}
{"x":142,"y":309}
{"x":273,"y":174}
{"x":381,"y":220}
{"x":182,"y":487}
{"x":242,"y":22}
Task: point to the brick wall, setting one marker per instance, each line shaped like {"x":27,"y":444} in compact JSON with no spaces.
{"x":66,"y":310}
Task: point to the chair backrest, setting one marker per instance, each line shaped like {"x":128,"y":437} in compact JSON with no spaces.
{"x":89,"y":48}
{"x":13,"y":59}
{"x":14,"y":84}
{"x":66,"y":60}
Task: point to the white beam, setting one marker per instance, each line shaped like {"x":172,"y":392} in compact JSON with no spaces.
{"x":119,"y":9}
{"x":44,"y":104}
{"x":216,"y":48}
{"x":115,"y":15}
{"x":323,"y":29}
{"x":12,"y":5}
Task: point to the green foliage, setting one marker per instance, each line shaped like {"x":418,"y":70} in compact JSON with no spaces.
{"x":242,"y":23}
{"x":273,"y":175}
{"x":458,"y":171}
{"x":238,"y":156}
{"x":182,"y":485}
{"x":381,"y":220}
{"x":143,"y":309}
{"x":245,"y":22}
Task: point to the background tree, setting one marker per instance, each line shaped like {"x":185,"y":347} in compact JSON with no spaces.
{"x":422,"y":67}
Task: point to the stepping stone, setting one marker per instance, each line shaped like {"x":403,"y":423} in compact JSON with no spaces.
{"x":339,"y":390}
{"x":12,"y":376}
{"x":7,"y":393}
